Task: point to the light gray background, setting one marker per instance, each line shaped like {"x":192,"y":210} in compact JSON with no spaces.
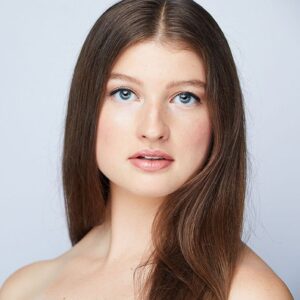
{"x":40,"y":42}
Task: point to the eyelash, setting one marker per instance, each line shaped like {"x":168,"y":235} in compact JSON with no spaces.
{"x":127,"y":89}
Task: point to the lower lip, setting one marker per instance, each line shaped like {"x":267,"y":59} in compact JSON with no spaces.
{"x":150,"y":165}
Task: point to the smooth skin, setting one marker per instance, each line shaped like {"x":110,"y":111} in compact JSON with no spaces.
{"x":148,"y":114}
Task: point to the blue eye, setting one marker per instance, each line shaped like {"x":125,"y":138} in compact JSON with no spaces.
{"x":125,"y":94}
{"x":186,"y":97}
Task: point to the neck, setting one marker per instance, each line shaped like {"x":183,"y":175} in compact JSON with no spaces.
{"x":128,"y":224}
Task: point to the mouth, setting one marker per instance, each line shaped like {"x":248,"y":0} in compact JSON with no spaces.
{"x":151,"y":164}
{"x":149,"y":158}
{"x":152,"y":155}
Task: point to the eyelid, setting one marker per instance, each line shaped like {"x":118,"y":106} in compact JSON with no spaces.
{"x":120,"y":88}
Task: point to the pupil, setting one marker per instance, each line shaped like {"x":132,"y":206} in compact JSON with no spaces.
{"x":185,"y":97}
{"x":125,"y":93}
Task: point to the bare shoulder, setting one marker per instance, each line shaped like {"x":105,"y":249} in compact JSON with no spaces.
{"x":30,"y":280}
{"x":26,"y":281}
{"x":254,"y":279}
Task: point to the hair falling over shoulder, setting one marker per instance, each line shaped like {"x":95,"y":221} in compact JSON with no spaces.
{"x":197,"y":231}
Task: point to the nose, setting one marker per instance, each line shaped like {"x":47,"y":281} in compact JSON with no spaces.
{"x":153,"y":123}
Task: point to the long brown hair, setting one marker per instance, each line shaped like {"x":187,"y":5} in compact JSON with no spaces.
{"x":197,"y":231}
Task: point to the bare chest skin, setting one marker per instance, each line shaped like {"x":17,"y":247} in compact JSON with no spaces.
{"x":81,"y":273}
{"x":83,"y":280}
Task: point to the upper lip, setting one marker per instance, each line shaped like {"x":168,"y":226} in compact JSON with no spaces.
{"x":153,"y":153}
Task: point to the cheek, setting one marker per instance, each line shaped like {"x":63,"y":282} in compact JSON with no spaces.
{"x":195,"y":141}
{"x":111,"y":132}
{"x":199,"y":133}
{"x":202,"y":134}
{"x":104,"y":133}
{"x":106,"y":141}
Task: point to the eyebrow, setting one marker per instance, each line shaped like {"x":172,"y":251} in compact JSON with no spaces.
{"x":192,"y":82}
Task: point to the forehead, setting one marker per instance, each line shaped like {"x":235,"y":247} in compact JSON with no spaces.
{"x":151,"y":60}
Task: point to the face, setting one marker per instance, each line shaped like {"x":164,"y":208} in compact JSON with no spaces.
{"x":149,"y":111}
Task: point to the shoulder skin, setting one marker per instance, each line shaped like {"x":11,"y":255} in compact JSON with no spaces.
{"x":27,"y":281}
{"x":254,"y":279}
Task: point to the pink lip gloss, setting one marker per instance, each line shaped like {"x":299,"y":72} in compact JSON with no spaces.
{"x":150,"y":165}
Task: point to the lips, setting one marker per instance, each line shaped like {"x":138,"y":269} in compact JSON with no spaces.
{"x":152,"y":153}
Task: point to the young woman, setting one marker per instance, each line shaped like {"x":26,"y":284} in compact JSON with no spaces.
{"x":154,"y":166}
